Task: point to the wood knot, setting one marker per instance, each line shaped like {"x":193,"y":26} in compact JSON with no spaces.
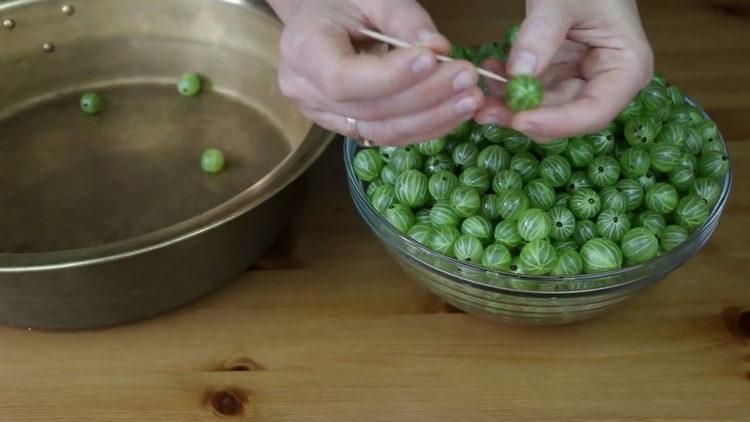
{"x":738,"y":322}
{"x":242,"y":364}
{"x":227,"y":402}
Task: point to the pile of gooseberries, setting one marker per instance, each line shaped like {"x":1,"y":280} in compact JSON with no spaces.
{"x":492,"y":197}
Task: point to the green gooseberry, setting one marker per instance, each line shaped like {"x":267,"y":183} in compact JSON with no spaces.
{"x":672,"y":237}
{"x":400,"y":216}
{"x":437,"y":163}
{"x":580,"y":153}
{"x":635,"y":161}
{"x":526,"y":165}
{"x":682,"y":177}
{"x":442,"y":184}
{"x":367,"y":165}
{"x":604,"y":171}
{"x":524,"y":92}
{"x":190,"y":84}
{"x":490,"y":208}
{"x":563,"y":223}
{"x":411,"y":189}
{"x":540,"y":193}
{"x":601,"y":255}
{"x":442,"y":214}
{"x":603,"y":141}
{"x":556,"y":170}
{"x":569,"y":263}
{"x":579,"y":180}
{"x":478,"y":227}
{"x":585,"y":204}
{"x":612,"y":225}
{"x":613,"y":199}
{"x":512,"y":203}
{"x":665,"y":157}
{"x":465,"y":154}
{"x":506,"y":234}
{"x":477,"y":178}
{"x":465,"y":201}
{"x":516,"y":142}
{"x":383,"y":197}
{"x":212,"y":161}
{"x":91,"y":103}
{"x":652,"y":221}
{"x":468,"y":249}
{"x":494,"y":158}
{"x":585,"y":231}
{"x":496,"y":257}
{"x":662,"y":198}
{"x":708,"y":189}
{"x":538,"y":257}
{"x":432,"y":147}
{"x":505,"y":180}
{"x":639,"y":245}
{"x":442,"y":240}
{"x":714,"y":165}
{"x":421,"y":233}
{"x":691,"y":212}
{"x":534,"y":224}
{"x":642,"y":130}
{"x":633,"y":192}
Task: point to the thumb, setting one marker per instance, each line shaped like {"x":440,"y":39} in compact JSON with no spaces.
{"x":540,"y":37}
{"x":407,"y":20}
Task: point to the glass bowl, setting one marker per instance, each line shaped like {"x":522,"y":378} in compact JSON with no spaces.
{"x":522,"y":299}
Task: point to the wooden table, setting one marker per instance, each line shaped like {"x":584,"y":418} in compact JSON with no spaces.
{"x":326,"y":328}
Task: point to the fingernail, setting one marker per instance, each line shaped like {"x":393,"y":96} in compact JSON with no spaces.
{"x":524,"y":63}
{"x":466,"y":105}
{"x":463,"y":81}
{"x":426,"y":36}
{"x":422,"y":64}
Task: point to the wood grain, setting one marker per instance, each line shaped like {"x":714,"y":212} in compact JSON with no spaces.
{"x":325,"y":328}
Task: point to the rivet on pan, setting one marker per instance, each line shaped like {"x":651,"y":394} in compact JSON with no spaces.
{"x":48,"y":47}
{"x":68,"y":9}
{"x":9,"y":23}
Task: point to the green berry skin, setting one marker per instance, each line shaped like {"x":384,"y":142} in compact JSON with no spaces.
{"x":212,"y":161}
{"x":647,"y":181}
{"x":372,"y":186}
{"x":506,"y":234}
{"x":580,"y":153}
{"x":477,"y":178}
{"x":569,"y":263}
{"x":686,"y":115}
{"x":639,"y":245}
{"x":511,"y":35}
{"x":672,"y":237}
{"x":661,"y":198}
{"x":585,"y":231}
{"x":506,"y":180}
{"x":437,"y":163}
{"x":563,"y":223}
{"x":708,"y":189}
{"x":635,"y":162}
{"x":603,"y":141}
{"x":405,"y":159}
{"x":656,"y":101}
{"x":400,"y":216}
{"x":465,"y":154}
{"x":465,"y":201}
{"x":604,"y":171}
{"x":672,"y":133}
{"x":512,"y":203}
{"x":515,"y":265}
{"x":682,"y":178}
{"x":493,"y":133}
{"x":496,"y":257}
{"x":432,"y":147}
{"x":468,"y":249}
{"x":442,"y":184}
{"x":642,"y":131}
{"x":477,"y":137}
{"x":420,"y":233}
{"x":689,"y":160}
{"x":676,"y":96}
{"x":442,"y":214}
{"x":561,"y":200}
{"x":693,"y":142}
{"x":383,"y":198}
{"x":190,"y":85}
{"x":411,"y":189}
{"x":556,"y":170}
{"x":613,"y":199}
{"x":540,"y":193}
{"x":538,"y":257}
{"x":442,"y":240}
{"x":665,"y":157}
{"x":463,"y":130}
{"x":601,"y":255}
{"x":563,"y":245}
{"x":422,"y":216}
{"x":633,"y":192}
{"x":612,"y":225}
{"x":691,"y":212}
{"x":516,"y":142}
{"x":534,"y":224}
{"x":652,"y":221}
{"x":490,"y":208}
{"x":554,"y":147}
{"x":493,"y":159}
{"x":714,"y":165}
{"x":585,"y":204}
{"x":367,"y":165}
{"x":386,"y":153}
{"x":91,"y":103}
{"x":388,"y":175}
{"x":523,"y":92}
{"x":478,"y":227}
{"x":526,"y":165}
{"x":633,"y":109}
{"x":710,"y":133}
{"x":579,"y":180}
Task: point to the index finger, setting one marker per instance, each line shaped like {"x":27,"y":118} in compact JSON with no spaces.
{"x":323,"y":54}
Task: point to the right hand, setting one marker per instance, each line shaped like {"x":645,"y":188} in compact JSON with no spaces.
{"x":398,"y":98}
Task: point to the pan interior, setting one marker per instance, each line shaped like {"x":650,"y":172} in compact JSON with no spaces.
{"x":71,"y":181}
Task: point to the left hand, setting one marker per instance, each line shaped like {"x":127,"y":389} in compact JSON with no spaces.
{"x":592,"y":58}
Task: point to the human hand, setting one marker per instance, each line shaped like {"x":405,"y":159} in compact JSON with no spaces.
{"x":592,"y":58}
{"x":397,"y":98}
